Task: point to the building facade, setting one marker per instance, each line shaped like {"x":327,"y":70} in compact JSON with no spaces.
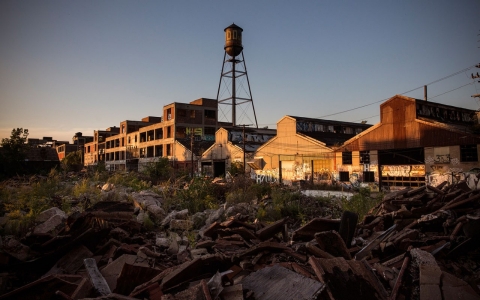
{"x":302,"y":150}
{"x":138,"y":143}
{"x":234,"y":145}
{"x":416,"y":143}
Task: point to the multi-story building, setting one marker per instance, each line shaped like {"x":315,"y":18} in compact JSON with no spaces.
{"x":95,"y":150}
{"x":140,"y":142}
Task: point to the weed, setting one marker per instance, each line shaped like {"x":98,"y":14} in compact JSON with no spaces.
{"x":197,"y":196}
{"x":192,"y":240}
{"x":148,"y":223}
{"x":131,"y":180}
{"x":360,"y":203}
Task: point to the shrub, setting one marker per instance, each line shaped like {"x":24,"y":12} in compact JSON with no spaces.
{"x":130,"y":180}
{"x":361,"y":202}
{"x":160,"y":169}
{"x":72,"y":161}
{"x":197,"y":196}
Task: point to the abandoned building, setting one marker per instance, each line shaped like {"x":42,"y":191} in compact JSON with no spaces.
{"x":235,"y":145}
{"x":416,"y":143}
{"x":140,"y":142}
{"x":79,"y":140}
{"x":302,"y":149}
{"x":95,"y":150}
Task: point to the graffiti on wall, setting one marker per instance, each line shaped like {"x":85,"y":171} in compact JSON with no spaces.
{"x":471,"y":178}
{"x":449,"y":115}
{"x":403,"y":170}
{"x":237,"y":136}
{"x":268,"y":176}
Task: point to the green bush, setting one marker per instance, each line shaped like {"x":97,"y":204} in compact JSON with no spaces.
{"x":130,"y":180}
{"x":197,"y":196}
{"x":361,"y":202}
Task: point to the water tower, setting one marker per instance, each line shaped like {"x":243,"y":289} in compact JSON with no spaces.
{"x":233,"y":79}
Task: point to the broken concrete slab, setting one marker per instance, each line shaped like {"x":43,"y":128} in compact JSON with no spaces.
{"x":45,"y":288}
{"x":98,"y":282}
{"x":71,"y":262}
{"x":331,"y":242}
{"x":52,"y":225}
{"x":181,"y":225}
{"x":47,"y":214}
{"x":114,"y":269}
{"x":307,"y":232}
{"x":150,"y":202}
{"x":344,"y":276}
{"x":276,"y":282}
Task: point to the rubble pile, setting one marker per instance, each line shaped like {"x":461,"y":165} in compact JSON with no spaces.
{"x":420,"y":243}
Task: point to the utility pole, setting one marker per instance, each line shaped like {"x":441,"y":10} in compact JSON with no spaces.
{"x":191,"y":148}
{"x":243,"y":139}
{"x":475,"y":76}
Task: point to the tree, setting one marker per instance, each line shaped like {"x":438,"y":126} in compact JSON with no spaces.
{"x":73,"y":161}
{"x":13,"y":153}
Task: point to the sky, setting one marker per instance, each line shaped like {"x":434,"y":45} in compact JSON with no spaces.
{"x":80,"y":66}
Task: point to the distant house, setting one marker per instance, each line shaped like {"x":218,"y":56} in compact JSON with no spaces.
{"x":233,"y":145}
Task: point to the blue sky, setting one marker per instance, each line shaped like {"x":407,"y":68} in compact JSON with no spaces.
{"x":69,"y":66}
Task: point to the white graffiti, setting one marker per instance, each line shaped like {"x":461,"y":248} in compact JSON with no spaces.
{"x":270,"y":176}
{"x":429,"y":160}
{"x":472,"y":179}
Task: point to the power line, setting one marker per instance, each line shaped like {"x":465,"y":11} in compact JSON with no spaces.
{"x":435,"y":81}
{"x":452,"y":90}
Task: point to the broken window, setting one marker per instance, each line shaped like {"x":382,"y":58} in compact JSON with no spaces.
{"x":169,"y":113}
{"x":368,"y":176}
{"x":182,"y":112}
{"x":159,"y":133}
{"x":364,"y":157}
{"x":210,"y":114}
{"x":169,"y":149}
{"x":181,"y":132}
{"x":169,"y":131}
{"x":347,"y":158}
{"x":209,"y":130}
{"x":159,"y":150}
{"x":344,"y":175}
{"x":468,"y":153}
{"x":192,"y":114}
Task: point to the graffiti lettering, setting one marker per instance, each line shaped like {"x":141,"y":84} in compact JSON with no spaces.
{"x":261,"y":176}
{"x":237,"y":136}
{"x":443,"y":114}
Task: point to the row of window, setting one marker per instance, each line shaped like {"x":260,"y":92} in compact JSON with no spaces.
{"x":468,"y":153}
{"x":368,"y":176}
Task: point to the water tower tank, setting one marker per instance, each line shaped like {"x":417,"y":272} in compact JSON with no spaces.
{"x":233,"y":40}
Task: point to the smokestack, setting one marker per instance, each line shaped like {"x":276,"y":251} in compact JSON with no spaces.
{"x":425,"y":92}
